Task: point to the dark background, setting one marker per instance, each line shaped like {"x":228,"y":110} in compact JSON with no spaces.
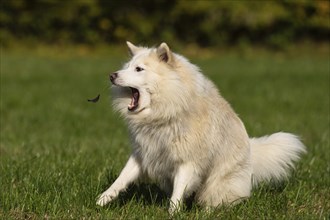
{"x":213,"y":23}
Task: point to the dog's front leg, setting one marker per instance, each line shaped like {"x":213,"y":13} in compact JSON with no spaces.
{"x":129,"y":174}
{"x":185,"y":182}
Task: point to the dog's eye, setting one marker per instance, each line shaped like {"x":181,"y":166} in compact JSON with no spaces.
{"x":138,"y":69}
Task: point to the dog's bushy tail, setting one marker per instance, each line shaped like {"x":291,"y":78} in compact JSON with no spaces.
{"x":273,"y":156}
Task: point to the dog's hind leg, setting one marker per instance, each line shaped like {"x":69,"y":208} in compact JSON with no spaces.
{"x":129,"y":174}
{"x":227,"y":189}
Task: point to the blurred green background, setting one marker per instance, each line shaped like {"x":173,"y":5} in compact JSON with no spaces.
{"x":202,"y":23}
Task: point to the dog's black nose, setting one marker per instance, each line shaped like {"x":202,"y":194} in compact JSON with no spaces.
{"x":113,"y":77}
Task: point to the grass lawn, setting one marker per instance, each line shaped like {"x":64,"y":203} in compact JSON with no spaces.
{"x":58,"y":151}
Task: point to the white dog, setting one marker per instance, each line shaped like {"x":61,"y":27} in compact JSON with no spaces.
{"x":186,"y":136}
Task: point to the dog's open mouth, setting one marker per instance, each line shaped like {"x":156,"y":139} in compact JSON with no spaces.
{"x":134,"y":99}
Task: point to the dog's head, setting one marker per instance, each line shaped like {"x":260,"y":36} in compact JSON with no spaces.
{"x":152,"y":84}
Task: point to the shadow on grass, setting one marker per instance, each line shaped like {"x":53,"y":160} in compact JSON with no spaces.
{"x":151,"y":195}
{"x":147,"y":194}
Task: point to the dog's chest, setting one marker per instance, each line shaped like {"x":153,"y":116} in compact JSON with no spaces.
{"x":157,"y":150}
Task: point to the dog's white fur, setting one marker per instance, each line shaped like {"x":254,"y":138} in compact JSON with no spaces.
{"x":186,"y":136}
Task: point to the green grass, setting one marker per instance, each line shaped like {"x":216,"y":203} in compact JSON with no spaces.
{"x":58,"y":151}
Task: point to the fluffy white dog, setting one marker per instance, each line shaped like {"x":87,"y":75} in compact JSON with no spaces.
{"x":187,"y":137}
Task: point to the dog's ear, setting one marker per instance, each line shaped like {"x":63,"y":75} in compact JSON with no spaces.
{"x":164,"y":53}
{"x":132,"y":49}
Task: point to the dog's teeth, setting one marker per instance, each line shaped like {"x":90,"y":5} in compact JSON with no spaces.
{"x":130,"y":106}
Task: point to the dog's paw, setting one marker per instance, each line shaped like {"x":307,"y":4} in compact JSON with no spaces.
{"x":104,"y":199}
{"x":172,"y":211}
{"x":174,"y":208}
